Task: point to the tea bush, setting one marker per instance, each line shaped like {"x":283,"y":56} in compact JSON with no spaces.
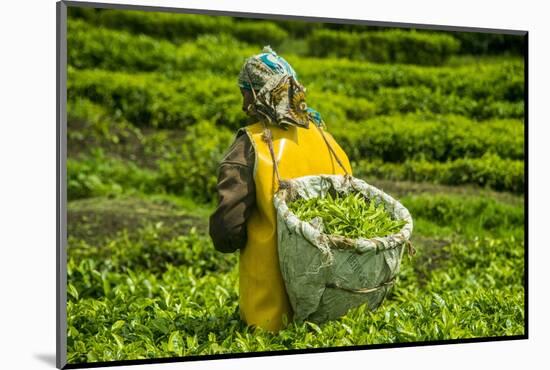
{"x":498,"y":80}
{"x":490,"y":43}
{"x":409,"y":147}
{"x":433,"y":138}
{"x":393,"y":46}
{"x":489,"y":170}
{"x":115,"y":50}
{"x":423,"y":100}
{"x":460,"y":215}
{"x":192,"y":171}
{"x":223,"y":54}
{"x":178,"y":27}
{"x":151,"y":99}
{"x":98,"y":175}
{"x":126,"y":310}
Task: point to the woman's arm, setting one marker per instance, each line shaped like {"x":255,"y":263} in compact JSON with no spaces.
{"x":236,"y":196}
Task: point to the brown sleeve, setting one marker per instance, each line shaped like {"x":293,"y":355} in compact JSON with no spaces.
{"x":236,"y":196}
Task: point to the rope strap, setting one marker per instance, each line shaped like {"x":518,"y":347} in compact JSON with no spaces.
{"x":332,"y":150}
{"x":268,"y":138}
{"x":410,"y":248}
{"x":362,"y":290}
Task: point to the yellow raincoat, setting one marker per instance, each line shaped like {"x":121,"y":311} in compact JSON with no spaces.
{"x":299,"y":152}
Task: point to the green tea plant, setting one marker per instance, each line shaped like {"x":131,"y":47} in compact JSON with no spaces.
{"x":116,"y":50}
{"x":178,"y":27}
{"x":153,"y":99}
{"x":391,"y":46}
{"x":487,"y":171}
{"x":186,"y":304}
{"x":350,"y":215}
{"x":435,"y":138}
{"x":498,"y":79}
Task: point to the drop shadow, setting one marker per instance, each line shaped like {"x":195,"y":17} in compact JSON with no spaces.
{"x":47,"y":358}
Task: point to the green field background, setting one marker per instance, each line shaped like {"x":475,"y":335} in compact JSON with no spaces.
{"x":436,"y":119}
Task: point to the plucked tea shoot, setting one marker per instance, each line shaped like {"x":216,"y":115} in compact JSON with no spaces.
{"x":350,"y":215}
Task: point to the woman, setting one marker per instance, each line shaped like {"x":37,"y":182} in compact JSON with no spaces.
{"x":284,"y":129}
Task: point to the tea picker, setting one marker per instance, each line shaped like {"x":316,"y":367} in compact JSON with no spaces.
{"x":289,"y":269}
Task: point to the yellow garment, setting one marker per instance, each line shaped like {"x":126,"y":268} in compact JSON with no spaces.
{"x":300,"y":152}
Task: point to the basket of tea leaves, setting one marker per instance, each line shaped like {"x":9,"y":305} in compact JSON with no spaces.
{"x":340,"y":244}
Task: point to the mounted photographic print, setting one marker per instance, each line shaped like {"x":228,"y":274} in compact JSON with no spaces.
{"x":235,"y":184}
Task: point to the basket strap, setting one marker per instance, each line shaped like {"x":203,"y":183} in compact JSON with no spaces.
{"x":268,"y":138}
{"x":332,"y":150}
{"x":362,"y":290}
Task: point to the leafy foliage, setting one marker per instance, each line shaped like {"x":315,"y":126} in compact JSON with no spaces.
{"x":432,"y":138}
{"x":156,"y":297}
{"x":393,"y":46}
{"x":349,"y":215}
{"x":178,"y":27}
{"x":489,"y":170}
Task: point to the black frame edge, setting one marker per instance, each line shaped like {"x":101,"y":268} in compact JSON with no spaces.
{"x":526,"y":182}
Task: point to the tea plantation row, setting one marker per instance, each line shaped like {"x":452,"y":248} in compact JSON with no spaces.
{"x":364,"y":42}
{"x":150,"y":99}
{"x":91,"y":47}
{"x":394,"y":147}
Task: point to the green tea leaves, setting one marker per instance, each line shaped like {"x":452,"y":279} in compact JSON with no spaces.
{"x":350,"y":215}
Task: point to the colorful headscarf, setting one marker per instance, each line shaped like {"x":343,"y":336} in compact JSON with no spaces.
{"x":279,"y":96}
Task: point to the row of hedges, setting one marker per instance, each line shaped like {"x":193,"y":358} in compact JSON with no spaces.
{"x":100,"y":48}
{"x":424,"y":100}
{"x":477,"y":43}
{"x":190,"y":171}
{"x":394,"y":46}
{"x":410,"y":46}
{"x":499,"y":80}
{"x":190,"y":167}
{"x":91,"y":47}
{"x":439,"y":138}
{"x":488,"y":171}
{"x":152,"y":99}
{"x":460,"y":212}
{"x":149,"y":99}
{"x":389,"y":138}
{"x":490,"y":43}
{"x":179,"y":27}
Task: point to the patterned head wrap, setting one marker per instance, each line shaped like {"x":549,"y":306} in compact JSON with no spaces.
{"x":279,"y":97}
